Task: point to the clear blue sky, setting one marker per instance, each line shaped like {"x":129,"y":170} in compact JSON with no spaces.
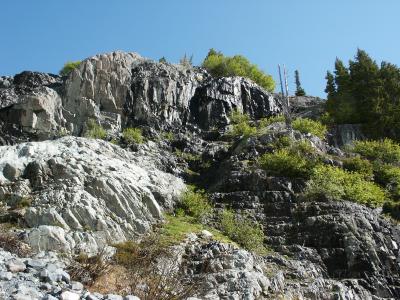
{"x":41,"y":35}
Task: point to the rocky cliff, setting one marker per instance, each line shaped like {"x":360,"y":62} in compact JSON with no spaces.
{"x":75,"y":195}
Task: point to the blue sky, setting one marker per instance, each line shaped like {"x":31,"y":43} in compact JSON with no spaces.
{"x":306,"y":35}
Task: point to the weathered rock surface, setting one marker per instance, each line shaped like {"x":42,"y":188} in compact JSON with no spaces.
{"x":121,"y":89}
{"x":345,"y":241}
{"x":84,"y":193}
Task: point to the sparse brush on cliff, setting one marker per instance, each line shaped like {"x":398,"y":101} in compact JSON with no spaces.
{"x":241,"y":125}
{"x":337,"y":184}
{"x":133,"y":135}
{"x":223,"y":66}
{"x":247,"y":233}
{"x":94,"y":130}
{"x":195,"y":204}
{"x":305,"y":125}
{"x":69,"y":67}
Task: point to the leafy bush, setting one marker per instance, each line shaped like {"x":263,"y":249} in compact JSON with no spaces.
{"x":223,"y":66}
{"x":133,"y":135}
{"x":392,"y":209}
{"x":385,"y":150}
{"x":284,"y":163}
{"x":241,"y":125}
{"x":359,"y":165}
{"x":196,"y":204}
{"x":388,"y":176}
{"x":95,"y":131}
{"x":264,"y":122}
{"x":336,"y":184}
{"x":69,"y":67}
{"x":247,"y":233}
{"x":305,"y":125}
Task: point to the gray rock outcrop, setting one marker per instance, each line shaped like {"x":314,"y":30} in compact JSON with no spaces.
{"x":84,"y":193}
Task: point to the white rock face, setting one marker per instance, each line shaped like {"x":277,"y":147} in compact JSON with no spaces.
{"x":102,"y":81}
{"x":85,"y":193}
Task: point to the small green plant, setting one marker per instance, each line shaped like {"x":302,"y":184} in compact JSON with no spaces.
{"x":265,"y":122}
{"x":305,"y":125}
{"x":326,"y":119}
{"x":388,"y":176}
{"x":392,"y":208}
{"x":24,"y":202}
{"x":133,"y":135}
{"x":359,"y":165}
{"x":69,"y":67}
{"x":189,"y":157}
{"x":195,"y":204}
{"x":337,"y":184}
{"x":385,"y":150}
{"x":94,"y":130}
{"x":241,"y":125}
{"x":284,"y":163}
{"x":168,"y":135}
{"x":245,"y":232}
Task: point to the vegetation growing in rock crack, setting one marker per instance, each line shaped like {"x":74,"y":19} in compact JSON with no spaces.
{"x":94,"y":130}
{"x":195,"y":204}
{"x":133,"y":135}
{"x":69,"y":67}
{"x":241,"y":125}
{"x":220,"y":65}
{"x":333,"y":183}
{"x":247,"y":233}
{"x":305,"y":125}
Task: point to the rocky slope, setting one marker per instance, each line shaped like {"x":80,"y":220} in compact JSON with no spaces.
{"x":76,"y":195}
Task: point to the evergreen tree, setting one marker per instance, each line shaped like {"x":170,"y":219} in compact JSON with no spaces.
{"x":299,"y":90}
{"x":163,"y":60}
{"x":330,"y":89}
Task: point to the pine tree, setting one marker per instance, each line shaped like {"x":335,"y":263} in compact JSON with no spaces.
{"x":163,"y":60}
{"x":299,"y":90}
{"x":330,"y":89}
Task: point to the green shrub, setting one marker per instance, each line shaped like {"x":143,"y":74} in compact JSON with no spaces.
{"x":388,"y":176}
{"x":284,"y":163}
{"x":305,"y":125}
{"x":359,"y":165}
{"x":223,"y":66}
{"x":94,"y":130}
{"x":392,"y":209}
{"x":196,"y":204}
{"x":245,"y":232}
{"x":264,"y":122}
{"x":243,"y":130}
{"x":385,"y":150}
{"x":241,"y":125}
{"x":133,"y":135}
{"x":336,"y":184}
{"x":69,"y":67}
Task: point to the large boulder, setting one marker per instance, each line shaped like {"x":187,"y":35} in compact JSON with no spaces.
{"x":84,"y":193}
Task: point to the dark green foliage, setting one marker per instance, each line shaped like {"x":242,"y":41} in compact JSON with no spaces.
{"x":299,"y":90}
{"x":388,"y":176}
{"x":163,"y":60}
{"x":392,"y":209}
{"x":69,"y":67}
{"x":366,"y":93}
{"x":223,"y":66}
{"x":359,"y":165}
